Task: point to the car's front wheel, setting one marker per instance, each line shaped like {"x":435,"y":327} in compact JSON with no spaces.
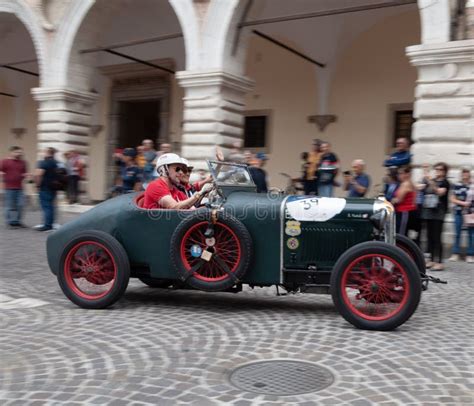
{"x":375,"y":286}
{"x":94,"y":270}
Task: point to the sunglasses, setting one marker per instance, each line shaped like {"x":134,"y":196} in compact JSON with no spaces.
{"x":183,"y":169}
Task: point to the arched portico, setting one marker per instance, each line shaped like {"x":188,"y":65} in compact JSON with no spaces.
{"x":84,"y":97}
{"x":22,"y":62}
{"x":31,"y":22}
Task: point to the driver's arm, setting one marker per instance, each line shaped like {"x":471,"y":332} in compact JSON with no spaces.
{"x":167,"y":202}
{"x":198,"y":185}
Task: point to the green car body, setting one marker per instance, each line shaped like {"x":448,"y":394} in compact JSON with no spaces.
{"x":146,"y":234}
{"x":301,"y":243}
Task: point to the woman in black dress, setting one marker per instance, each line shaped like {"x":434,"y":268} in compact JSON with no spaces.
{"x":435,"y":206}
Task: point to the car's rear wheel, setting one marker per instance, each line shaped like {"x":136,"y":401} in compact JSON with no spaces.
{"x":211,"y":262}
{"x":375,"y":286}
{"x":94,"y":270}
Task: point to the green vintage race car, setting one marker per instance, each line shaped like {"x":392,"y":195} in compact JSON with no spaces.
{"x":345,"y":247}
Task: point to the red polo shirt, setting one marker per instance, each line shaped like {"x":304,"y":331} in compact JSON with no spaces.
{"x":15,"y":170}
{"x":158,"y":189}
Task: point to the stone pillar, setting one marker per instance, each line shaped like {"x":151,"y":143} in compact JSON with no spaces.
{"x":444,"y":103}
{"x":470,"y":19}
{"x":64,"y":119}
{"x":213,"y":113}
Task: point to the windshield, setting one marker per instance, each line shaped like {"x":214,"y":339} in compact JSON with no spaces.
{"x":230,"y":174}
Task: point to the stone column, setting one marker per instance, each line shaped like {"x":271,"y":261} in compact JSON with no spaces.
{"x":213,"y":113}
{"x":64,"y":119}
{"x":444,"y":103}
{"x":470,"y":19}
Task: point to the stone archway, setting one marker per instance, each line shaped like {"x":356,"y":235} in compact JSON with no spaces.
{"x":31,"y":21}
{"x":85,"y":92}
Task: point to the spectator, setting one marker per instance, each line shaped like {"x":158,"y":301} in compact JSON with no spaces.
{"x":469,"y":221}
{"x":435,"y":205}
{"x":259,"y":176}
{"x":327,"y":172}
{"x":46,"y":177}
{"x":150,"y":156}
{"x":130,"y":174}
{"x":401,"y":156}
{"x":75,"y":171}
{"x":165,"y":148}
{"x":390,"y":183}
{"x":357,"y":184}
{"x":462,"y":206}
{"x":140,"y":159}
{"x":310,"y":183}
{"x":13,"y":170}
{"x":248,"y":157}
{"x":304,"y":156}
{"x":404,"y":201}
{"x":236,"y":154}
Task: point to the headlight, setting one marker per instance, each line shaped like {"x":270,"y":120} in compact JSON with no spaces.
{"x":384,"y":219}
{"x":379,"y":219}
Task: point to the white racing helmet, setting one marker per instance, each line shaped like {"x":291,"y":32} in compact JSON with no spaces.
{"x":165,"y":160}
{"x":186,"y":162}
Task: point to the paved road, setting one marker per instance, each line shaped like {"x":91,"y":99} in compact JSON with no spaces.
{"x":178,"y":347}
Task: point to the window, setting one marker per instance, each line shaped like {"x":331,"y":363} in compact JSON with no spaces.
{"x":255,"y":131}
{"x":403,"y":124}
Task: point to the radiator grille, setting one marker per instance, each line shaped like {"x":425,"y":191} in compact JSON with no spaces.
{"x":325,"y":243}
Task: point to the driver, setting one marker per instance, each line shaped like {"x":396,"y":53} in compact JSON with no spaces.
{"x":164,"y":192}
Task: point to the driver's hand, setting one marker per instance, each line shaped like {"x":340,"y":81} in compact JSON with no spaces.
{"x":206,"y":188}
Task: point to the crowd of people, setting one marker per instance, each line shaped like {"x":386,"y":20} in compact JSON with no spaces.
{"x":420,"y":207}
{"x":165,"y":176}
{"x":49,"y":177}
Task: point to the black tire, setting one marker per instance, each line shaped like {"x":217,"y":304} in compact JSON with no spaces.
{"x":211,"y":277}
{"x":413,"y":251}
{"x":111,"y":269}
{"x":379,"y":287}
{"x":155,"y":283}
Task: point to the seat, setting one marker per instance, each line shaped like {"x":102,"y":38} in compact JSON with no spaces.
{"x":139,"y":200}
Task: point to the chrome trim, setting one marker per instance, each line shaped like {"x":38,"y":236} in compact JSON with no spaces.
{"x":382,"y":204}
{"x":282,"y":234}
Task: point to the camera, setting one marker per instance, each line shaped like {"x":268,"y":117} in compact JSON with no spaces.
{"x":347,"y":173}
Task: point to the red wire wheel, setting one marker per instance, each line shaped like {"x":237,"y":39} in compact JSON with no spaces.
{"x":211,"y":263}
{"x":226,"y":246}
{"x":376,"y":286}
{"x":94,"y":271}
{"x":90,"y":270}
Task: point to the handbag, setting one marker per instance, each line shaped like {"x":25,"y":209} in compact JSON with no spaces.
{"x":468,"y":220}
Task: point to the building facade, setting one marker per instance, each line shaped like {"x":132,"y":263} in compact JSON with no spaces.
{"x":99,"y":75}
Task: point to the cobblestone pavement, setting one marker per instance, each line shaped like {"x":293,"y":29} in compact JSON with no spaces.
{"x":178,"y":347}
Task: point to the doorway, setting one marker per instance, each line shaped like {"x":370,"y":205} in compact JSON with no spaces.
{"x":138,"y":120}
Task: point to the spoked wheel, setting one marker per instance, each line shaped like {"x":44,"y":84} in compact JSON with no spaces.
{"x":224,"y":245}
{"x":94,"y":271}
{"x":375,"y":286}
{"x":211,"y":257}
